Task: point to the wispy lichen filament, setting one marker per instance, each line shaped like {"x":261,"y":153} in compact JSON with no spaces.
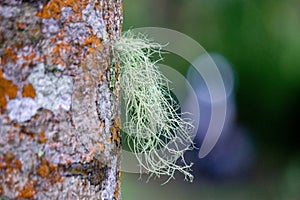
{"x":160,"y":135}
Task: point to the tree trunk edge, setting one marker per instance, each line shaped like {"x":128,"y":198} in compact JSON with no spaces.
{"x":59,"y":114}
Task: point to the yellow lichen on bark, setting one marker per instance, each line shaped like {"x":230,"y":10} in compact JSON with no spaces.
{"x":53,"y":8}
{"x":7,"y":89}
{"x":28,"y":91}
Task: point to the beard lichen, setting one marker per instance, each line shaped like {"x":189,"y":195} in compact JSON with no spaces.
{"x":155,"y":132}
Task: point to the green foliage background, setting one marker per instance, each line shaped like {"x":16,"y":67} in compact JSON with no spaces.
{"x":261,"y":38}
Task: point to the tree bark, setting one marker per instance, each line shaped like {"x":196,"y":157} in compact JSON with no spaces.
{"x":59,"y":99}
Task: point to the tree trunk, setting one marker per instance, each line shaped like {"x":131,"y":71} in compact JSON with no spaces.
{"x":59,"y":99}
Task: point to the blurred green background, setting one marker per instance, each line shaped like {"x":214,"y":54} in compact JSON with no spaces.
{"x":261,"y":39}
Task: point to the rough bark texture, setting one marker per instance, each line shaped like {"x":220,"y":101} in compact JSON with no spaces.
{"x":59,"y":108}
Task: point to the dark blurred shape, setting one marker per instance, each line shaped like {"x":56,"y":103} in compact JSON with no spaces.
{"x":233,"y":155}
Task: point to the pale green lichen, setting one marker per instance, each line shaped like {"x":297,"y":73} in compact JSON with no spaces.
{"x":159,"y":135}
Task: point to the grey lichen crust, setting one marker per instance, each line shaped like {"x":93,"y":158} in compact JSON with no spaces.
{"x":109,"y":184}
{"x":95,"y":20}
{"x":107,"y":111}
{"x":53,"y":92}
{"x":9,"y":12}
{"x":22,"y":109}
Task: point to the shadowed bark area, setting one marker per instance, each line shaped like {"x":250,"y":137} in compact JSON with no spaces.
{"x":59,"y":108}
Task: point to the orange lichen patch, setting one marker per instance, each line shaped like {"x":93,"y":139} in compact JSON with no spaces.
{"x":59,"y":47}
{"x":41,"y":59}
{"x":58,"y":55}
{"x":9,"y":163}
{"x":118,"y":186}
{"x":9,"y":182}
{"x":28,"y":191}
{"x":53,"y":167}
{"x":55,"y":177}
{"x":88,"y":41}
{"x":1,"y":188}
{"x":94,"y":45}
{"x":20,"y":25}
{"x":28,"y":132}
{"x":49,"y":171}
{"x":42,"y":138}
{"x":17,"y":164}
{"x":11,"y":54}
{"x":73,"y":4}
{"x":2,"y":61}
{"x":117,"y":71}
{"x":97,"y":42}
{"x":115,"y":132}
{"x":53,"y":39}
{"x":53,"y":7}
{"x":21,"y":135}
{"x":2,"y":165}
{"x":30,"y":56}
{"x":44,"y":170}
{"x":28,"y":91}
{"x":7,"y":88}
{"x":117,"y":191}
{"x":90,"y":50}
{"x":102,"y":124}
{"x":6,"y":160}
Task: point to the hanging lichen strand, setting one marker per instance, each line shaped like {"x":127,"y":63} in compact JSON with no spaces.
{"x":155,"y":131}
